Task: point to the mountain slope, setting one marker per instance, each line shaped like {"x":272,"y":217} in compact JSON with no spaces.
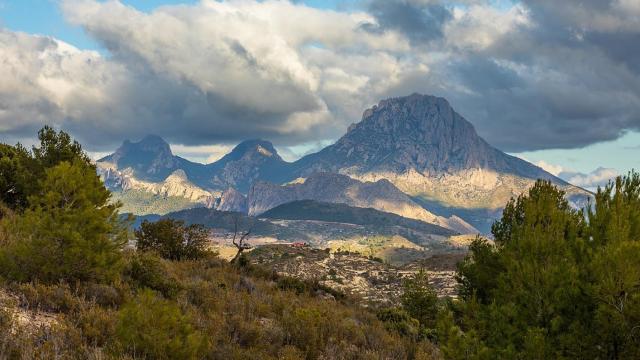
{"x":315,"y":210}
{"x":335,"y":188}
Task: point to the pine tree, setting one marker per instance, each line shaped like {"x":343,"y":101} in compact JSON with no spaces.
{"x":70,"y":231}
{"x":615,"y":232}
{"x":17,"y":176}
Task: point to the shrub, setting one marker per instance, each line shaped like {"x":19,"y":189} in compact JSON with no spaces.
{"x":400,"y":321}
{"x":152,"y":327}
{"x":172,"y":239}
{"x":147,"y":270}
{"x":96,"y":324}
{"x":292,"y":284}
{"x":45,"y":297}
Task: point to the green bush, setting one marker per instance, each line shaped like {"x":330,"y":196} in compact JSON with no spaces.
{"x":292,"y":284}
{"x":145,"y":270}
{"x":172,"y":239}
{"x":400,"y":321}
{"x":152,"y":327}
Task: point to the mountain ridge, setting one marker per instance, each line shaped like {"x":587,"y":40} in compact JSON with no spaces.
{"x":418,"y":143}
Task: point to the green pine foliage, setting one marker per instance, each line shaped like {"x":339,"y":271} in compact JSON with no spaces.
{"x":420,"y":300}
{"x":556,"y":283}
{"x":69,"y":232}
{"x":21,"y":170}
{"x":17,"y":178}
{"x":65,"y":228}
{"x":152,"y":327}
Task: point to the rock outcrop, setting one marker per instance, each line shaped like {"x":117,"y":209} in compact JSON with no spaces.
{"x":232,"y":200}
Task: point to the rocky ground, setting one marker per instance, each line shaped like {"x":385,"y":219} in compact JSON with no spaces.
{"x":367,"y":278}
{"x":16,"y":313}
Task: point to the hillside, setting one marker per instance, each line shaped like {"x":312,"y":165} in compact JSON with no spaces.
{"x":315,"y":210}
{"x":391,"y":233}
{"x":340,"y":189}
{"x":365,"y":278}
{"x":223,"y":313}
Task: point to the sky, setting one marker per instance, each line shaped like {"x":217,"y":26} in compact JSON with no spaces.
{"x":556,"y":83}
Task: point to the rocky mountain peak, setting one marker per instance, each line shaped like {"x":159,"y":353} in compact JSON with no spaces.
{"x":154,"y":141}
{"x":249,"y":161}
{"x":417,"y":131}
{"x":150,"y":158}
{"x":177,"y":176}
{"x":420,"y":133}
{"x":255,"y":148}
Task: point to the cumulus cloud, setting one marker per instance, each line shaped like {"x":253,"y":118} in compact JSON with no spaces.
{"x":536,"y":75}
{"x":550,"y":168}
{"x":599,"y":177}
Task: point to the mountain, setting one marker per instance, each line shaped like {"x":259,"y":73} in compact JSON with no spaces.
{"x":415,"y":133}
{"x":147,"y":177}
{"x":320,"y":211}
{"x":440,"y":169}
{"x":149,"y":159}
{"x":248,"y":162}
{"x":335,"y":188}
{"x":429,"y":151}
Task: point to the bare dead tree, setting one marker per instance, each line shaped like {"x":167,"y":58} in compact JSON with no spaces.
{"x":240,"y":239}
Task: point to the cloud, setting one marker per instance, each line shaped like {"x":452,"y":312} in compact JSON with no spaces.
{"x":420,"y":20}
{"x":536,"y":75}
{"x":205,"y":154}
{"x":599,"y":177}
{"x":550,"y":168}
{"x":199,"y":74}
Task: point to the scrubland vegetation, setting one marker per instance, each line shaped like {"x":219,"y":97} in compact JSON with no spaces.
{"x":555,"y":283}
{"x":63,"y":251}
